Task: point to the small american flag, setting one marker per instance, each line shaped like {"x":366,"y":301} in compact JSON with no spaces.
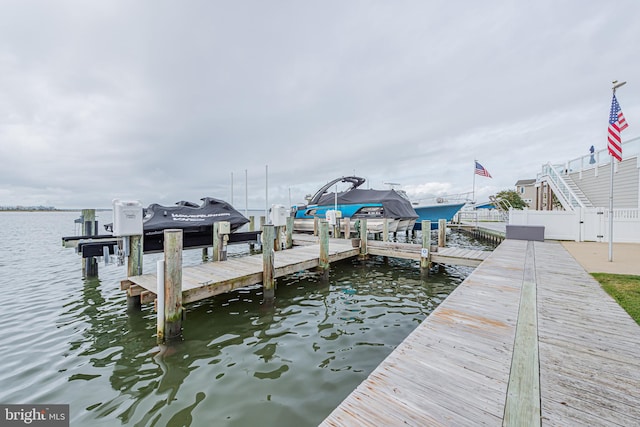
{"x":617,"y":124}
{"x":480,"y":170}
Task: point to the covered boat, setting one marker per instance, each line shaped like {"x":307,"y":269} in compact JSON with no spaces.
{"x":356,"y":203}
{"x":196,"y":221}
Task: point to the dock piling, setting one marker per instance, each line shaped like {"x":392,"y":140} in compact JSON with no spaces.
{"x":134,"y":268}
{"x":385,"y":230}
{"x":289,"y":243}
{"x":425,"y":259}
{"x":268,"y":274}
{"x":442,"y":233}
{"x":277,"y":245}
{"x":323,"y":261}
{"x":173,"y":312}
{"x":252,"y":227}
{"x":363,"y":239}
{"x":347,"y":228}
{"x":89,"y":228}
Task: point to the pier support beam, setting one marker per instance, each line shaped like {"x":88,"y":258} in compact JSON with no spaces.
{"x":425,"y":258}
{"x":442,"y":233}
{"x":172,"y":312}
{"x":323,"y":264}
{"x":134,"y":268}
{"x":268,"y":280}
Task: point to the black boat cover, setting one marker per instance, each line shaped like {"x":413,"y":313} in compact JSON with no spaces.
{"x":394,"y":205}
{"x":186,"y":215}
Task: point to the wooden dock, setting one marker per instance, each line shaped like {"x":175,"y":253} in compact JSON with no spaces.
{"x":213,"y":278}
{"x":529,"y":338}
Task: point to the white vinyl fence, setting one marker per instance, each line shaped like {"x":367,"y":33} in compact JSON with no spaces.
{"x":586,"y":224}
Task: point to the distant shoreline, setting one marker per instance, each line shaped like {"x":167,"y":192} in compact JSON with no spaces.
{"x":37,"y":209}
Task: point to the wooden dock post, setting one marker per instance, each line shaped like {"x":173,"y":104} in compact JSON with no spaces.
{"x":347,"y":228}
{"x":385,"y":230}
{"x":252,"y":227}
{"x":315,"y":226}
{"x":363,"y":239}
{"x":442,"y":233}
{"x":277,"y":244}
{"x":289,"y":243}
{"x":89,"y":265}
{"x":216,"y":242}
{"x":220,"y":240}
{"x":268,"y":274}
{"x":171,"y":326}
{"x":323,"y":261}
{"x":134,"y":268}
{"x":425,"y":261}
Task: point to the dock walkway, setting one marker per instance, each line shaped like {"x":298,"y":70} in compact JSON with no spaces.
{"x":529,"y":338}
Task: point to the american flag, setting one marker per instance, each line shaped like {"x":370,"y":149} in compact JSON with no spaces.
{"x":617,"y":124}
{"x":480,"y":170}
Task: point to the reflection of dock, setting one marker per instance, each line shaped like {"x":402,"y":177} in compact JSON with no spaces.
{"x":529,"y":338}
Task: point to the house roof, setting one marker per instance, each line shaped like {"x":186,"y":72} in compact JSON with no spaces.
{"x":526,"y":182}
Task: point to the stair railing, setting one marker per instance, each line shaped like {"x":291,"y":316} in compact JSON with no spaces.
{"x":561,"y":189}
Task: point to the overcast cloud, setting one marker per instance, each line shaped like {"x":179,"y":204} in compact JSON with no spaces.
{"x":162,"y":101}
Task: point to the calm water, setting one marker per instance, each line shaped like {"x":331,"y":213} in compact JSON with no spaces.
{"x":66,"y":339}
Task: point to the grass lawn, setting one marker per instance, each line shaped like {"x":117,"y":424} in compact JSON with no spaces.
{"x":625,"y":289}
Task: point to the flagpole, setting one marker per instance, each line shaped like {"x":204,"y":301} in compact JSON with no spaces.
{"x":616,"y":85}
{"x":611,"y":209}
{"x":473,"y":193}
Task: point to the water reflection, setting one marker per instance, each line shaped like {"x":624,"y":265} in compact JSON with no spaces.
{"x":244,"y":361}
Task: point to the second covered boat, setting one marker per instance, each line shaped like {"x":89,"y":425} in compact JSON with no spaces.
{"x":355,"y":203}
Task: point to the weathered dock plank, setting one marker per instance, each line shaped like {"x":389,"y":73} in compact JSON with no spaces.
{"x":589,"y":348}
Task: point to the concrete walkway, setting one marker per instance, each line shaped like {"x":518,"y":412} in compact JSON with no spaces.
{"x":594,"y":257}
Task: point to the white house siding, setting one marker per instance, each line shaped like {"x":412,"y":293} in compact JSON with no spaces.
{"x":626,"y":184}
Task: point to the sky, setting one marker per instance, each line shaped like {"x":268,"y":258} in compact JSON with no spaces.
{"x":161,"y":101}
